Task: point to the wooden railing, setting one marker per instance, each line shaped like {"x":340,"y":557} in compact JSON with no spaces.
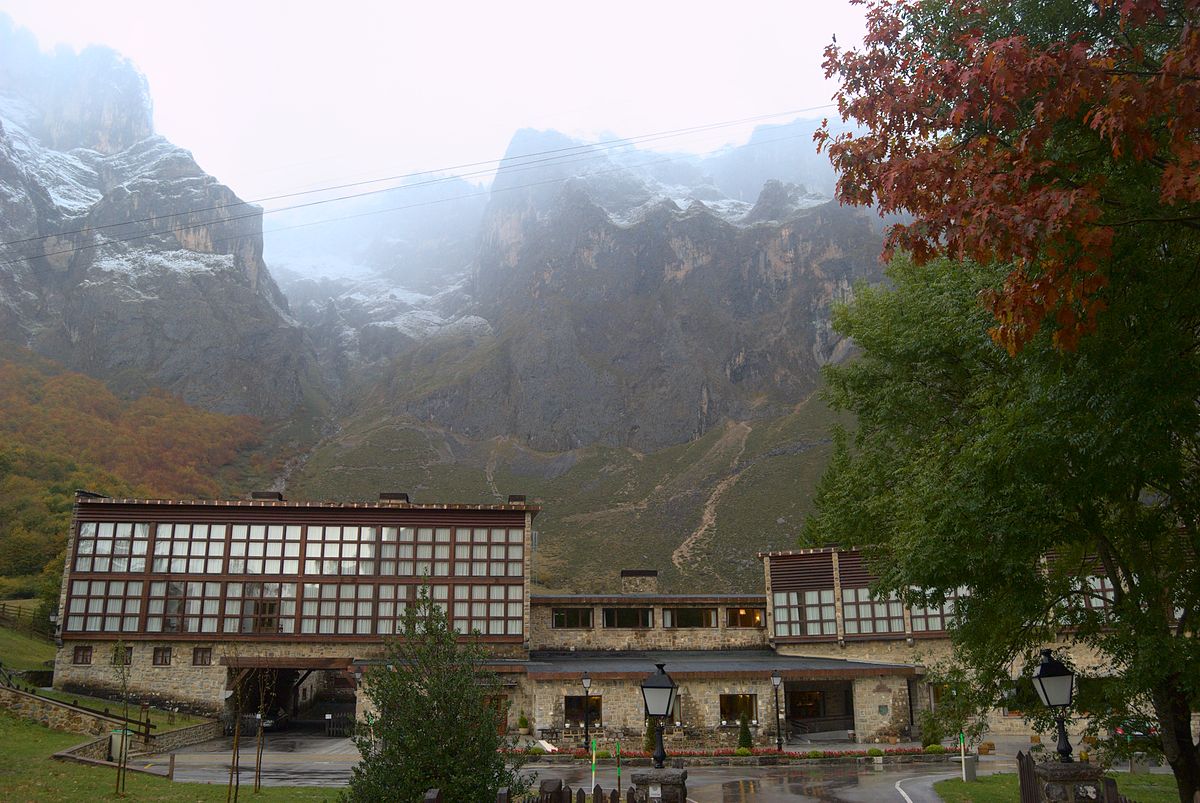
{"x":26,"y":620}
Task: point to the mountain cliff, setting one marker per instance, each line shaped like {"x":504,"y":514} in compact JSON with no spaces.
{"x":122,"y":258}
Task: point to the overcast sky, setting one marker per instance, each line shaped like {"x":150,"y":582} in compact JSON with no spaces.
{"x":278,"y":96}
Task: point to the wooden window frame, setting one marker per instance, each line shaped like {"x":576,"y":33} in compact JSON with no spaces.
{"x":671,"y":616}
{"x":733,"y":616}
{"x":567,"y":614}
{"x":615,"y":613}
{"x":81,"y":655}
{"x":201,"y":656}
{"x":731,"y":705}
{"x":161,"y":657}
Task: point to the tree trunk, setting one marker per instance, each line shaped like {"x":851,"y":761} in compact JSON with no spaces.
{"x":1175,"y":718}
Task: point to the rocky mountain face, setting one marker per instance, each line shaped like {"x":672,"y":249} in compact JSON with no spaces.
{"x":178,"y":298}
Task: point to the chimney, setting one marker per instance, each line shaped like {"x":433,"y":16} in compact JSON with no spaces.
{"x":399,"y":497}
{"x":267,"y":496}
{"x":516,"y":499}
{"x":639,"y":581}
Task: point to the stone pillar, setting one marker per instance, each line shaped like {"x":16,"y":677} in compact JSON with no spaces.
{"x":660,"y":786}
{"x":1069,"y":783}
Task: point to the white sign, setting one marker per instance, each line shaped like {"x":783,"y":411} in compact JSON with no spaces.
{"x":329,"y":716}
{"x":655,"y":791}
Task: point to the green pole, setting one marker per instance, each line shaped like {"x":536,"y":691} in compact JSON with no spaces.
{"x":593,"y":765}
{"x":618,"y":768}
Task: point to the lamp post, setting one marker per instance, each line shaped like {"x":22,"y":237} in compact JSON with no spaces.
{"x":777,"y":681}
{"x":1055,"y":685}
{"x":658,"y":692}
{"x":587,"y":710}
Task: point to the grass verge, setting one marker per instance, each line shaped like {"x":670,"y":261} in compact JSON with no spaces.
{"x":31,"y":775}
{"x":19,"y":651}
{"x":1003,"y":788}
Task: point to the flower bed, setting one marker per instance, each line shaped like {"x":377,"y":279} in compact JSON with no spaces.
{"x":759,"y":755}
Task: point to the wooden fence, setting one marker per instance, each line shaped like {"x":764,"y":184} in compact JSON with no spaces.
{"x":26,"y":620}
{"x":551,"y":792}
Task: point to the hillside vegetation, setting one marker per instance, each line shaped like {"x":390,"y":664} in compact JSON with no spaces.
{"x":60,"y":431}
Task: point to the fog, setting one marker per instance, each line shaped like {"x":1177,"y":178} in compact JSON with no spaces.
{"x":275,"y":97}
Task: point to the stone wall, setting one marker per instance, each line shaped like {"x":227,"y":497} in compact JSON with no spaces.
{"x":56,"y":715}
{"x":879,"y":703}
{"x":185,"y":737}
{"x":544,"y":637}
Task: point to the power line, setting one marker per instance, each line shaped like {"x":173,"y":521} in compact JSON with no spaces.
{"x":370,"y":192}
{"x":519,"y":162}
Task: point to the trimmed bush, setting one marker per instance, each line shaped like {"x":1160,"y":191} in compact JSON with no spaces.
{"x":935,"y":749}
{"x":874,"y":752}
{"x":537,"y":751}
{"x":815,"y":754}
{"x":742,"y":751}
{"x":603,"y":754}
{"x":744,"y":739}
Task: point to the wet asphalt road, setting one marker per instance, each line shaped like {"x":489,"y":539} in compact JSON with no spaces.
{"x":304,"y":760}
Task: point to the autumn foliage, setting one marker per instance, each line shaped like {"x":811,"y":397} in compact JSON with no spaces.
{"x":61,"y":430}
{"x":1048,"y":135}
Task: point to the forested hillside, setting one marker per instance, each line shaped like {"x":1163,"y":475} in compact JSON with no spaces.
{"x":61,"y":430}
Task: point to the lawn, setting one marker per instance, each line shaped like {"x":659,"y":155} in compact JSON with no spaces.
{"x":31,"y":775}
{"x":19,"y":651}
{"x":1003,"y":788}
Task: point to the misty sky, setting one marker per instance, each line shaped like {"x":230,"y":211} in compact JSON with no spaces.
{"x":278,"y":96}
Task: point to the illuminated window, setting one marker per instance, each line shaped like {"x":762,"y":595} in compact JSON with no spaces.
{"x":733,"y":706}
{"x":744,"y":617}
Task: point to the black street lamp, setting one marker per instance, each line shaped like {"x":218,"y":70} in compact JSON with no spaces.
{"x":658,"y":691}
{"x":1055,"y":684}
{"x":587,"y":711}
{"x":776,"y":681}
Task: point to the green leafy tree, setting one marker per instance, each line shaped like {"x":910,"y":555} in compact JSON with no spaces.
{"x":1024,"y":478}
{"x":432,"y":725}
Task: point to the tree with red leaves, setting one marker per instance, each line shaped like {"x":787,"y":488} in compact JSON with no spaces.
{"x":1044,"y":159}
{"x":1061,"y":137}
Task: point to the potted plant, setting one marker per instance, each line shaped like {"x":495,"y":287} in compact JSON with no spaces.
{"x":523,"y":724}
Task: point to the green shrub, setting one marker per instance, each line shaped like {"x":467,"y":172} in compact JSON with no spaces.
{"x":523,"y":722}
{"x":537,"y":751}
{"x":744,"y":739}
{"x":24,"y":587}
{"x":742,"y":751}
{"x":931,"y":729}
{"x":874,"y":752}
{"x":815,"y":754}
{"x":934,"y":749}
{"x":648,"y":742}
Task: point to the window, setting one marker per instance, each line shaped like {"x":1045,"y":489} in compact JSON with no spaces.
{"x":162,"y":656}
{"x":109,"y":606}
{"x":176,"y":606}
{"x":744,"y":617}
{"x":864,"y":613}
{"x":689,"y":617}
{"x":257,"y":607}
{"x":805,"y":613}
{"x":122,"y":656}
{"x":1098,"y":593}
{"x":734,"y":705}
{"x":265,"y":549}
{"x":936,"y":618}
{"x":340,"y":551}
{"x":189,"y":548}
{"x":489,"y":610}
{"x":629,"y":617}
{"x":573,"y":708}
{"x":341,"y":608}
{"x":489,"y":553}
{"x":109,"y":547}
{"x":81,"y":655}
{"x":202,"y":656}
{"x":571,"y":617}
{"x":393,"y":602}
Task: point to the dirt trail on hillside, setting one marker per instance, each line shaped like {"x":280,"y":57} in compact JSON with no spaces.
{"x":708,"y":517}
